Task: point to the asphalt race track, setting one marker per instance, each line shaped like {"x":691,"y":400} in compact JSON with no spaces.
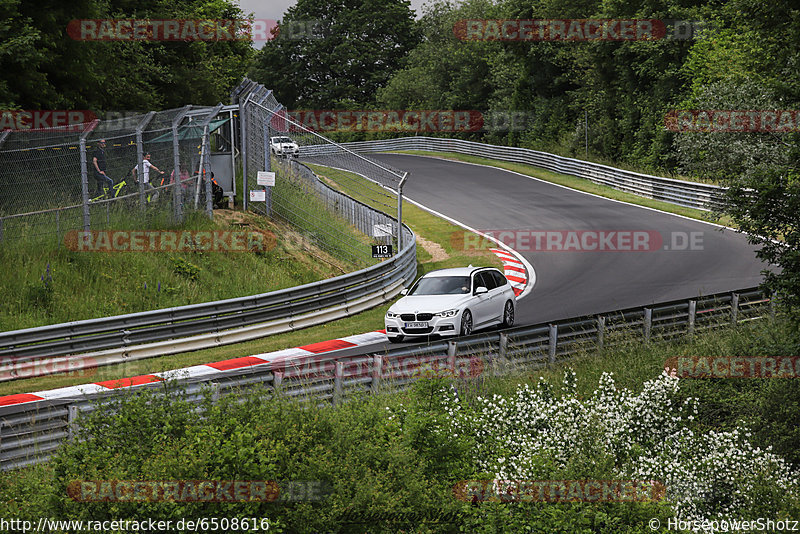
{"x":573,"y":283}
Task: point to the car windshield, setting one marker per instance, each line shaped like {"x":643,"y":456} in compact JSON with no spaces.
{"x":282,"y":140}
{"x":441,"y":285}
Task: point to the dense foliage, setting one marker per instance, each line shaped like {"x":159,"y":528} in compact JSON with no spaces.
{"x":398,"y":462}
{"x":44,"y":68}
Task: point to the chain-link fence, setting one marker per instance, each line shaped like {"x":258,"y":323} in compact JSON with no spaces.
{"x":101,"y":174}
{"x":124,"y":172}
{"x":274,"y":143}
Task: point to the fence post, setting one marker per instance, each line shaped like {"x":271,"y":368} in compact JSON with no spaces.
{"x":648,"y":324}
{"x":601,"y":331}
{"x":140,"y":155}
{"x":734,"y":308}
{"x":177,"y":186}
{"x":377,"y":370}
{"x":337,"y":383}
{"x":692,"y":317}
{"x":85,"y":174}
{"x":205,"y":161}
{"x":84,"y":186}
{"x":243,"y":147}
{"x":553,"y":343}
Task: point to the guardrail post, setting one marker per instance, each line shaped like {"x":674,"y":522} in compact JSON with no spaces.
{"x":277,"y":381}
{"x":734,"y":308}
{"x":214,"y":393}
{"x":377,"y":370}
{"x":601,"y":332}
{"x":337,"y":383}
{"x":72,"y":421}
{"x":502,"y":354}
{"x":553,"y":343}
{"x":692,"y":317}
{"x":452,"y":349}
{"x":648,"y":324}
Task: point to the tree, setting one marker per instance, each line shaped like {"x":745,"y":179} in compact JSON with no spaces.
{"x":356,"y":47}
{"x":747,"y":64}
{"x":47,"y":69}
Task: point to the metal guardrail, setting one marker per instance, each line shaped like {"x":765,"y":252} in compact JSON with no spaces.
{"x":31,"y":432}
{"x":28,"y":348}
{"x":683,"y":193}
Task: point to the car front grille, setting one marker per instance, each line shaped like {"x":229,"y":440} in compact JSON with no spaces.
{"x":413,"y":331}
{"x":417,"y":317}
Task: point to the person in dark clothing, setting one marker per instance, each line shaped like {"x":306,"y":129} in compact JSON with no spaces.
{"x":99,"y":165}
{"x":216,"y":193}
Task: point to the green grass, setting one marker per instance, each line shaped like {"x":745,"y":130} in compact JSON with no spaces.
{"x":46,"y":283}
{"x":579,"y":184}
{"x":423,"y":223}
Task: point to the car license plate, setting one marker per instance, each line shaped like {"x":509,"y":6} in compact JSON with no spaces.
{"x":416,"y":325}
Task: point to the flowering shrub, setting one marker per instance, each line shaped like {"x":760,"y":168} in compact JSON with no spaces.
{"x":617,"y":434}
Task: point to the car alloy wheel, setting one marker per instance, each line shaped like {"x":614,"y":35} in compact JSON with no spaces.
{"x":466,"y":323}
{"x":508,"y":315}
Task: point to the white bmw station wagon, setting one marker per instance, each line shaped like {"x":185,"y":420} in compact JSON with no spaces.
{"x":452,"y":302}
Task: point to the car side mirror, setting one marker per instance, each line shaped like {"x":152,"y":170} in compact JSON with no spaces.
{"x":404,"y":292}
{"x":481,"y":290}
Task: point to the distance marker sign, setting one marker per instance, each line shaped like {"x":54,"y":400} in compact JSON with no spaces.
{"x":382,"y":251}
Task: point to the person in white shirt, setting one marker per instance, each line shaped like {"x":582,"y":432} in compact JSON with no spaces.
{"x":146,"y":165}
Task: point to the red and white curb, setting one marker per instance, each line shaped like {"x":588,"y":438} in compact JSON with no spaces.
{"x":197,"y":371}
{"x":514,"y":270}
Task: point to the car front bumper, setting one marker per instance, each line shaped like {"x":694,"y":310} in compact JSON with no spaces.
{"x":442,"y":326}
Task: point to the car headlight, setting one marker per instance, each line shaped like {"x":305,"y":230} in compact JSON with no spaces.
{"x":447,"y":313}
{"x":390,"y":315}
